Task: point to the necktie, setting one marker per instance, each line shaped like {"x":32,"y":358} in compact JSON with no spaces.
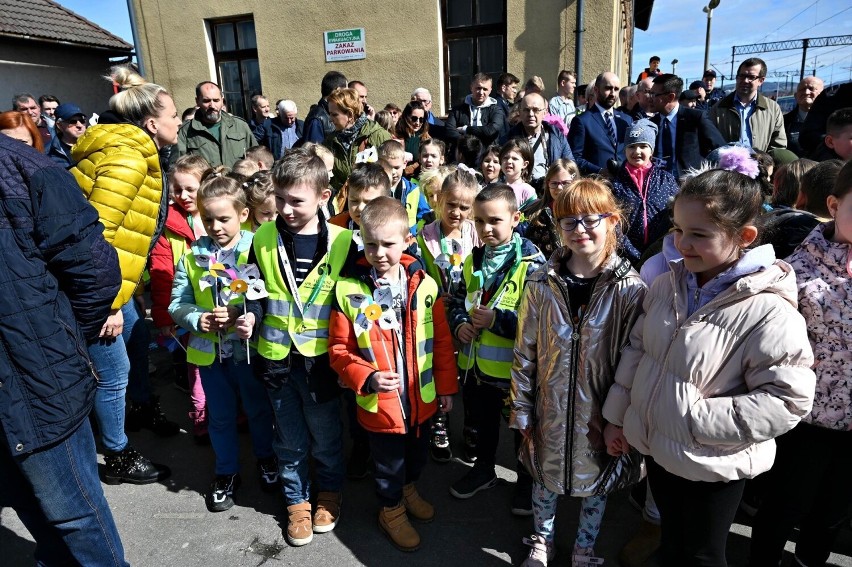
{"x":668,"y":150}
{"x":610,"y":128}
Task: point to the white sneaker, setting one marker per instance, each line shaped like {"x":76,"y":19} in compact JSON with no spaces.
{"x":585,"y":557}
{"x":541,"y":551}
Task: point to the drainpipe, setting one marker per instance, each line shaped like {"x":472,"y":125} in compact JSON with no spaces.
{"x":136,"y":46}
{"x":578,"y":47}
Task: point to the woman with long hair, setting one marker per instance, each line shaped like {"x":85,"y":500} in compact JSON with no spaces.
{"x":412,"y":128}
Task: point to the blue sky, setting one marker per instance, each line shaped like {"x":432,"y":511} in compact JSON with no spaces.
{"x":678,"y":28}
{"x":677,"y":31}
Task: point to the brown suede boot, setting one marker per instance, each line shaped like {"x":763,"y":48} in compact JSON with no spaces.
{"x":394,"y":522}
{"x":419,"y":509}
{"x":643,"y":545}
{"x":327,"y":512}
{"x":299,"y":530}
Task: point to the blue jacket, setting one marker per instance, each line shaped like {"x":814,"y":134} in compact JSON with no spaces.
{"x":557,"y":146}
{"x":271,"y":135}
{"x":56,"y":152}
{"x":590,"y":142}
{"x":58,"y":278}
{"x":661,"y":187}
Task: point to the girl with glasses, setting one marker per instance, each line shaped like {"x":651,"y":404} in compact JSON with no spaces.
{"x":540,"y":226}
{"x":575,"y":317}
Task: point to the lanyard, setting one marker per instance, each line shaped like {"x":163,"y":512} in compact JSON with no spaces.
{"x":291,"y":278}
{"x":402,"y":283}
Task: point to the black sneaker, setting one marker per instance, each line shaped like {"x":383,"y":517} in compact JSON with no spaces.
{"x":267,"y":469}
{"x":149,"y":416}
{"x":522,"y":496}
{"x":358,"y":465}
{"x":439,"y":444}
{"x":470,"y":437}
{"x":475,"y":480}
{"x":130,"y":466}
{"x":220,"y":496}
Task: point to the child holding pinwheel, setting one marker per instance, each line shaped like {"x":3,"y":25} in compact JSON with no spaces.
{"x":483,"y":317}
{"x":207,"y":300}
{"x":390,"y":343}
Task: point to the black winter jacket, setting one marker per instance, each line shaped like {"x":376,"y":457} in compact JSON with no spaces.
{"x":58,"y":279}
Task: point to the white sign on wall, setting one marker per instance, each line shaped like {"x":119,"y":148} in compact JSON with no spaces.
{"x":345,"y":45}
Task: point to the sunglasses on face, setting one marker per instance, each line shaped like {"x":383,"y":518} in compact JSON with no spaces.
{"x":417,"y":119}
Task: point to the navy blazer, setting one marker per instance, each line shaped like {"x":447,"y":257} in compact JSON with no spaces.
{"x":695,"y":137}
{"x":590,"y":142}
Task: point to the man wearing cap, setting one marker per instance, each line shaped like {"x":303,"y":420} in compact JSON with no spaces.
{"x":70,"y":124}
{"x":712,"y":94}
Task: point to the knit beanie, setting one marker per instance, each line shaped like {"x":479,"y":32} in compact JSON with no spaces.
{"x":641,"y":132}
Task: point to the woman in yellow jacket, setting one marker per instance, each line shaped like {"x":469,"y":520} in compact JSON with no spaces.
{"x":118,"y":169}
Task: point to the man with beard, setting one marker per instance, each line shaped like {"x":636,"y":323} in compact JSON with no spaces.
{"x":215,"y":135}
{"x":809,"y":88}
{"x":597,"y":135}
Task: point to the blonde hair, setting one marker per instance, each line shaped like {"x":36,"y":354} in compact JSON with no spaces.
{"x":382,"y":211}
{"x":194,"y":165}
{"x":457,"y":179}
{"x":258,"y":189}
{"x":590,"y":196}
{"x":246,"y":167}
{"x":137,"y":99}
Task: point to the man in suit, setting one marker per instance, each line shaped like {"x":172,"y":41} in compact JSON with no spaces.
{"x":809,"y":88}
{"x":597,"y":135}
{"x":284,"y":131}
{"x":686,"y":134}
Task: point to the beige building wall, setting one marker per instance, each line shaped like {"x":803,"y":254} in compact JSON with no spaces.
{"x":401,"y":53}
{"x":541,"y":39}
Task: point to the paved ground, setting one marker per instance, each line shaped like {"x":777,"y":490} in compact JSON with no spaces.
{"x":167,"y":524}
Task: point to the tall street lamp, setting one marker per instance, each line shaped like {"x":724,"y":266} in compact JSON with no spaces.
{"x":674,"y":66}
{"x":708,"y":9}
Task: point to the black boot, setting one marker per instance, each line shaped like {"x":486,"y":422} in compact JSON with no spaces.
{"x":128,"y":465}
{"x":439,"y":444}
{"x":149,"y":416}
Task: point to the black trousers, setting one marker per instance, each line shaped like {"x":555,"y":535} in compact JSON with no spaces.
{"x":398,"y":460}
{"x":695,"y":517}
{"x":808,"y":486}
{"x":486,"y":409}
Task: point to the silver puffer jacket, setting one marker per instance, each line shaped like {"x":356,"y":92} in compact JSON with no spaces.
{"x":562,"y":373}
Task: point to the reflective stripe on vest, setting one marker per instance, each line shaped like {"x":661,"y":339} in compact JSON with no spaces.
{"x":494,"y":354}
{"x":201,"y":350}
{"x":425,"y":295}
{"x":282,"y":324}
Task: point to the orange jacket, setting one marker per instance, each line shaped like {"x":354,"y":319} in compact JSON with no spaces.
{"x":355,"y":372}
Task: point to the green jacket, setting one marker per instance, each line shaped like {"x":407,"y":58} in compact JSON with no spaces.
{"x":235,"y":137}
{"x":767,"y":123}
{"x":371,"y":133}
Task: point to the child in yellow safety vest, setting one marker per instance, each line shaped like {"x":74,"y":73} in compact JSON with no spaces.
{"x":483,"y":317}
{"x":300,"y":257}
{"x":203,"y":305}
{"x":391,"y":345}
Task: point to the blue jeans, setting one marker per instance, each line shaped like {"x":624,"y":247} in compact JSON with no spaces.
{"x":225,"y":383}
{"x":58,"y":497}
{"x":137,"y":338}
{"x":113,"y":363}
{"x":306,"y":428}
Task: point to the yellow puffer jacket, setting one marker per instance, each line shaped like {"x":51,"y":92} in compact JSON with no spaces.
{"x":118,"y":169}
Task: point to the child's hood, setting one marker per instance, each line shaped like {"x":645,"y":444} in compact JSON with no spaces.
{"x":205,"y":245}
{"x":757,"y":271}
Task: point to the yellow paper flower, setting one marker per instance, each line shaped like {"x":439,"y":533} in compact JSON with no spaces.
{"x":239,"y":286}
{"x":373,"y":312}
{"x":455,"y":260}
{"x":215,"y":269}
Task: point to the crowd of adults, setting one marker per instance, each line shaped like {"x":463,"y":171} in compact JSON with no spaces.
{"x":70,"y":301}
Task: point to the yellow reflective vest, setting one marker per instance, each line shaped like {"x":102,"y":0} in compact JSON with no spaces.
{"x":282,"y":324}
{"x":492,"y":353}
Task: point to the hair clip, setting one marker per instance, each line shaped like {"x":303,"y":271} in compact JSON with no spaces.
{"x":739,"y":159}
